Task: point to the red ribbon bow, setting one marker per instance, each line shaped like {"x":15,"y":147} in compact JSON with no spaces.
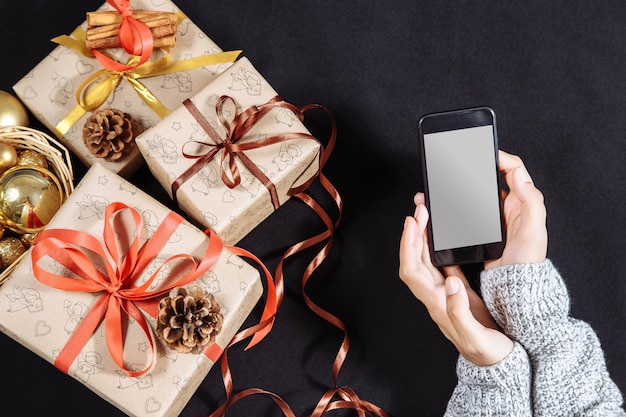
{"x":124,"y":262}
{"x":230,"y":146}
{"x":134,"y":35}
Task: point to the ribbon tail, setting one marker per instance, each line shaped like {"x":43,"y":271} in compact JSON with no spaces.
{"x":68,"y":121}
{"x":149,"y":98}
{"x":205,"y":60}
{"x":115,"y":337}
{"x":81,"y":334}
{"x":271,"y":304}
{"x":74,"y":44}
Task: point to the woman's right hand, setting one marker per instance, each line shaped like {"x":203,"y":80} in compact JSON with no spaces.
{"x":524,"y":216}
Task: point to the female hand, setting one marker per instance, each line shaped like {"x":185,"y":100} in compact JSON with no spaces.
{"x":458,"y":311}
{"x":524,"y":215}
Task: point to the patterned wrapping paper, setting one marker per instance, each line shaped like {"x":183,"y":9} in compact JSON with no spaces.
{"x":49,"y":89}
{"x":43,"y":318}
{"x":205,"y":198}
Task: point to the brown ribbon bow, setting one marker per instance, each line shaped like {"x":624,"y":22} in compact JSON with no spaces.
{"x":232,"y":147}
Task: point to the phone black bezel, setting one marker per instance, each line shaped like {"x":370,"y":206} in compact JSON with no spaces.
{"x":453,"y":120}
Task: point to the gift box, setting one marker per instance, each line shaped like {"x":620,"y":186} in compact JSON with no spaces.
{"x":50,"y":89}
{"x":233,"y":153}
{"x":44,"y":311}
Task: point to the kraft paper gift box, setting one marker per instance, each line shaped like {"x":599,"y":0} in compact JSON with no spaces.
{"x":49,"y":89}
{"x":44,"y":319}
{"x":174,"y":149}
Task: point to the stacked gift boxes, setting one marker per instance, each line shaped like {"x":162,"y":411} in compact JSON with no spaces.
{"x":229,"y":151}
{"x":44,"y":318}
{"x":50,"y":88}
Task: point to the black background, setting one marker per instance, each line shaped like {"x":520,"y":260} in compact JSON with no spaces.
{"x":553,"y":71}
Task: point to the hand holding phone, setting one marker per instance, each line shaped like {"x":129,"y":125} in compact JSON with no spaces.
{"x":459,"y":151}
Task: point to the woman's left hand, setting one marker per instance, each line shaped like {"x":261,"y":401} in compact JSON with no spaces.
{"x":453,"y":305}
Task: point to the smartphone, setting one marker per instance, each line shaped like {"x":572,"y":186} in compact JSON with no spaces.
{"x":459,"y":151}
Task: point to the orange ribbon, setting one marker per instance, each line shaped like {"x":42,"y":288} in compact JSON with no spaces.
{"x":231,"y":146}
{"x":115,"y":280}
{"x":134,"y":35}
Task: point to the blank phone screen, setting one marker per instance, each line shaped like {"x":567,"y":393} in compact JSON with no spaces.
{"x":463,"y":187}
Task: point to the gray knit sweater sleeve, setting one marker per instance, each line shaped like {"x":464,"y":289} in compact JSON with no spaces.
{"x":569,"y":375}
{"x":500,"y":390}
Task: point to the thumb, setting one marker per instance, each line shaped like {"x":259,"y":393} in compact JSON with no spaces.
{"x":525,"y":190}
{"x":522,"y":182}
{"x":458,"y":308}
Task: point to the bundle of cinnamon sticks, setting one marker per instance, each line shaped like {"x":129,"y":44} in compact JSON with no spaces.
{"x":102,"y":28}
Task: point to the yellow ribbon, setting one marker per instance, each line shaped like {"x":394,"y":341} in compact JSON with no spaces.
{"x":95,"y":90}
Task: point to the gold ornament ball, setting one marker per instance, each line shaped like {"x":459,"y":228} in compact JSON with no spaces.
{"x":29,"y":198}
{"x":8,"y":156}
{"x":11,"y":248}
{"x":33,"y":158}
{"x":12,"y":111}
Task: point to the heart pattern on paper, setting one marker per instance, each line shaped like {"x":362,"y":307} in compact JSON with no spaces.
{"x":152,"y":405}
{"x":29,"y":93}
{"x":228,"y":197}
{"x":83,"y":68}
{"x":42,"y":328}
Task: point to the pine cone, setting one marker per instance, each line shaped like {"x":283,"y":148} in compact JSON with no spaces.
{"x":109,"y":134}
{"x":188,"y":321}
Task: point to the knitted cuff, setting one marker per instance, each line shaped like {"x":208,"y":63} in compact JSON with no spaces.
{"x":503,"y":388}
{"x":525,"y":298}
{"x":514,"y":364}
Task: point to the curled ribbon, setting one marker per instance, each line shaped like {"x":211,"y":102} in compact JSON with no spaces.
{"x":231,"y":147}
{"x":347,"y":397}
{"x":119,"y":293}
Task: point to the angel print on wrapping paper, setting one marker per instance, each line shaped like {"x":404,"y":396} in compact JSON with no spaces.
{"x":141,"y":382}
{"x":178,"y":80}
{"x":75,"y":313}
{"x":92,"y":205}
{"x":150,"y":222}
{"x":62,"y":91}
{"x":88,"y":365}
{"x":25,"y":298}
{"x":205,"y":179}
{"x":160,"y":147}
{"x":246,"y":80}
{"x":210,"y":282}
{"x":287,"y":156}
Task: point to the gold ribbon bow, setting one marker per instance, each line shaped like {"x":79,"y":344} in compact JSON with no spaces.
{"x":95,"y":90}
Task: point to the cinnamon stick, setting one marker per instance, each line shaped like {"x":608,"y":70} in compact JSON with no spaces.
{"x":158,"y":27}
{"x":103,"y":26}
{"x":114,"y":42}
{"x":102,"y":18}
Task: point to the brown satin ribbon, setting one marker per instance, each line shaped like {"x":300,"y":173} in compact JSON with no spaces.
{"x":230,"y":147}
{"x":348,"y":399}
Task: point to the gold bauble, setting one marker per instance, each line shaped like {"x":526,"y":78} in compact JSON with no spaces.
{"x":30,"y":157}
{"x":8,"y":156}
{"x":29,"y":198}
{"x":11,"y":248}
{"x":12,"y":111}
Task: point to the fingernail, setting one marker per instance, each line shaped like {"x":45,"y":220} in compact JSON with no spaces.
{"x":452,"y":286}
